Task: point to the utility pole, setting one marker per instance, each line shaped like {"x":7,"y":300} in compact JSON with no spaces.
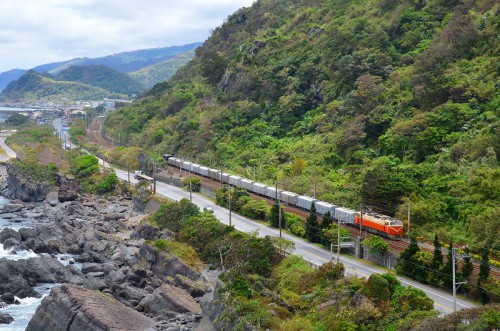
{"x":361,"y":221}
{"x":338,"y":241}
{"x":455,"y":284}
{"x":409,"y":228}
{"x":279,"y":207}
{"x":230,"y":194}
{"x":154,"y":176}
{"x":128,"y":169}
{"x":190,"y":188}
{"x":314,"y":189}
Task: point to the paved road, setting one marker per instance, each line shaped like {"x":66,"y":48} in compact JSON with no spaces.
{"x":443,"y":301}
{"x":317,"y":255}
{"x":9,"y":152}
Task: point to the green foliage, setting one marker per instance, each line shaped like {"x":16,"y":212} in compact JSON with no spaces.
{"x":406,"y":299}
{"x":295,"y":224}
{"x":84,"y":166}
{"x":161,"y":244}
{"x":312,"y":226}
{"x":386,"y":102}
{"x":17,"y":120}
{"x":107,"y":185}
{"x":376,"y":244}
{"x":38,"y":172}
{"x":274,"y":215}
{"x":192,"y":183}
{"x":173,"y":215}
{"x":377,"y":288}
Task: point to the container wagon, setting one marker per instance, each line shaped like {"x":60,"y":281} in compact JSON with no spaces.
{"x":246,"y":184}
{"x":289,"y":198}
{"x":323,"y":207}
{"x":271,"y":192}
{"x":259,"y":188}
{"x":234,"y":180}
{"x":305,"y":202}
{"x":203,"y":171}
{"x":345,"y":216}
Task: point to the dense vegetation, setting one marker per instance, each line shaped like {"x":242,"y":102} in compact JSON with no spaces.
{"x":378,"y":102}
{"x":40,"y":156}
{"x":103,"y":77}
{"x":162,"y":71}
{"x":33,"y":86}
{"x":264,"y":289}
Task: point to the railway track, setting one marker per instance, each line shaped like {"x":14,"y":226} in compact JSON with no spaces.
{"x":395,"y":246}
{"x":94,"y":134}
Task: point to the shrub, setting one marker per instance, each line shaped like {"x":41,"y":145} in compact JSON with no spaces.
{"x":406,"y":299}
{"x":195,"y":183}
{"x":376,"y":245}
{"x":295,"y":224}
{"x":377,"y":288}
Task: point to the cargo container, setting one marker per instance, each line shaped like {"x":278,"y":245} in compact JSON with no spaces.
{"x":305,"y":202}
{"x":345,"y":216}
{"x":289,"y":198}
{"x":323,"y":207}
{"x":234,"y":180}
{"x":246,"y":184}
{"x":259,"y":188}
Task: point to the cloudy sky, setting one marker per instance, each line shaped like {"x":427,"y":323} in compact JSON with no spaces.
{"x":34,"y":32}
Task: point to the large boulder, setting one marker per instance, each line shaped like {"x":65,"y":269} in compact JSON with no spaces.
{"x":167,"y":299}
{"x":22,"y":187}
{"x":70,"y":307}
{"x":68,"y":189}
{"x":18,"y":277}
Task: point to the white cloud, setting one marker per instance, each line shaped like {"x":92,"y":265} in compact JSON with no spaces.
{"x":43,"y":31}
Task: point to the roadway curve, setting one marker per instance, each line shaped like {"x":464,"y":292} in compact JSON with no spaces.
{"x":316,"y":255}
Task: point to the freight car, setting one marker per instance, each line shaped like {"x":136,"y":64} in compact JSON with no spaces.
{"x":372,"y":222}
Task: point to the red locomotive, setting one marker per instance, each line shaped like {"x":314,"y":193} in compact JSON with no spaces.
{"x":380,"y":224}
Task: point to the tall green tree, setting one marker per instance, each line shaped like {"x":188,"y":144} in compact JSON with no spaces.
{"x":325,"y":224}
{"x":467,"y":269}
{"x":312,"y":226}
{"x":437,"y":262}
{"x":447,"y":269}
{"x":484,"y":273}
{"x":274,"y":216}
{"x":407,"y":263}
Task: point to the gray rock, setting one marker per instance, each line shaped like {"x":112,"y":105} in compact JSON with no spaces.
{"x":169,"y":298}
{"x":5,"y":318}
{"x":69,"y":307}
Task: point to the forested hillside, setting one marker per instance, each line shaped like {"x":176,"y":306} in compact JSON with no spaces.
{"x":380,"y":103}
{"x":32,"y":87}
{"x":103,"y":77}
{"x":162,"y":71}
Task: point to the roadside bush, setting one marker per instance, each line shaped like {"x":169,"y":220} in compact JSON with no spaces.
{"x":195,"y":183}
{"x":295,"y":224}
{"x":376,"y":245}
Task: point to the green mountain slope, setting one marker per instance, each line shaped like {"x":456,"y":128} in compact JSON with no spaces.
{"x":103,"y":77}
{"x":162,"y":71}
{"x":387,"y":102}
{"x":33,"y":86}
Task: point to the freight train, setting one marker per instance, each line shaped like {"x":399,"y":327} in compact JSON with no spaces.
{"x":369,"y":221}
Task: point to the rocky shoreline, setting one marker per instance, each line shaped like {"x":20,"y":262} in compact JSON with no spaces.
{"x":124,"y":283}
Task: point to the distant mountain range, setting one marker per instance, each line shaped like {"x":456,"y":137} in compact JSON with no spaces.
{"x":123,"y":74}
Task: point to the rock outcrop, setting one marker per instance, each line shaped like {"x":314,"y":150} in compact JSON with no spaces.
{"x":23,"y":188}
{"x":18,"y":277}
{"x":70,"y":307}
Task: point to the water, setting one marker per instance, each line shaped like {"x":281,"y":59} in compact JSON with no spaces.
{"x":22,"y":313}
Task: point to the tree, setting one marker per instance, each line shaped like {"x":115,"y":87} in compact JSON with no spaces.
{"x":406,"y":262}
{"x":467,"y":269}
{"x":484,"y":273}
{"x":274,"y":216}
{"x":312,"y":227}
{"x":446,"y":270}
{"x":325,"y":224}
{"x":376,"y":245}
{"x":17,"y":120}
{"x":437,"y":261}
